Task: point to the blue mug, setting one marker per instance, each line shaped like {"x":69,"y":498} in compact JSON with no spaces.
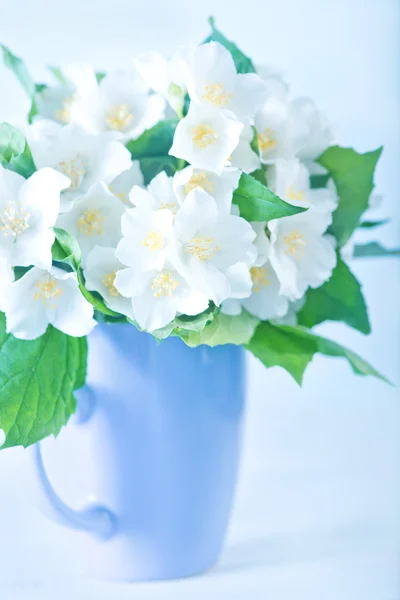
{"x":148,"y":467}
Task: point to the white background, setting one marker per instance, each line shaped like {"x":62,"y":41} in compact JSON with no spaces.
{"x":318,"y":506}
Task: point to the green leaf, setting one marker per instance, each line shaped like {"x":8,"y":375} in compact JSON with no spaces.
{"x":57,"y":74}
{"x":338,"y":299}
{"x":358,"y":364}
{"x":373,"y":249}
{"x":260,"y":176}
{"x":242,"y":62}
{"x":153,"y":165}
{"x":37,"y":381}
{"x":293,"y":349}
{"x":196,"y":323}
{"x":183,"y":326}
{"x":319,"y":181}
{"x":279,"y":346}
{"x":15,"y":153}
{"x":100,"y":76}
{"x":373,"y":224}
{"x":152,"y":147}
{"x":66,"y":249}
{"x":94,"y":297}
{"x":223,"y":329}
{"x":256,"y":202}
{"x":155,"y":141}
{"x":18,"y":67}
{"x":353,"y":174}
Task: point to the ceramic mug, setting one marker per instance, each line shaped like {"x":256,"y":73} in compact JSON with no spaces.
{"x":155,"y":446}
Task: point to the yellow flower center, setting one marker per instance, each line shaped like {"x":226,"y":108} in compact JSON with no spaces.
{"x":172,"y":206}
{"x":48,"y":292}
{"x":108,"y":281}
{"x":14,"y":220}
{"x":203,"y":135}
{"x":64,"y":114}
{"x":164,"y":284}
{"x":292,"y":194}
{"x":295,"y":243}
{"x":202,"y":247}
{"x":216,"y":94}
{"x":74,"y":169}
{"x":199,"y":180}
{"x":91,"y":222}
{"x":259,"y":276}
{"x":120,"y":195}
{"x":153,"y":241}
{"x":119,"y":118}
{"x":266,"y":140}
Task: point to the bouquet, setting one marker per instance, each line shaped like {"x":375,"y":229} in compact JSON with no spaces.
{"x":189,"y":197}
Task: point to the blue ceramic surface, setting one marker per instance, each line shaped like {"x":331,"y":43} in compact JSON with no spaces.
{"x":164,"y":423}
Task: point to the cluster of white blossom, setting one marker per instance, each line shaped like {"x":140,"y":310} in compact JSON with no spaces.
{"x":175,"y":246}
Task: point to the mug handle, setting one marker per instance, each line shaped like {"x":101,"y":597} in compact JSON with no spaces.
{"x":94,"y":518}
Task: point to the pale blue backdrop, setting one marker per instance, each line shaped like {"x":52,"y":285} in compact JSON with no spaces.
{"x":318,"y":506}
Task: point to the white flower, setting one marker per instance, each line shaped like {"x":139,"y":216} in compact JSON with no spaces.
{"x":42,"y":297}
{"x":276,"y":130}
{"x":158,"y":295}
{"x":6,"y":278}
{"x":86,"y":159}
{"x":208,"y":245}
{"x":274,"y":80}
{"x":40,"y":130}
{"x":2,"y":437}
{"x":95,"y":219}
{"x":220,"y":187}
{"x":290,"y":318}
{"x":56,"y":102}
{"x":243,"y":157}
{"x":314,"y":133}
{"x":146,"y":238}
{"x":206,"y":138}
{"x":159,"y":194}
{"x":120,"y":103}
{"x":123,"y":183}
{"x":100,"y":271}
{"x":214,"y":83}
{"x":291,"y":129}
{"x":28,"y":209}
{"x":166,"y":77}
{"x":265,"y":302}
{"x":290,"y":180}
{"x":300,"y":253}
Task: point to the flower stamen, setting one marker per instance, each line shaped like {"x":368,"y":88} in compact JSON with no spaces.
{"x":259,"y":276}
{"x":172,"y":206}
{"x":293,"y":194}
{"x":154,"y":241}
{"x":216,"y":94}
{"x":266,"y":139}
{"x":49,"y":293}
{"x":108,"y":281}
{"x":119,"y":118}
{"x":203,"y":135}
{"x":199,"y":180}
{"x":164,"y":284}
{"x":91,"y":222}
{"x":64,"y":114}
{"x":202,"y":247}
{"x":120,"y":195}
{"x":14,"y":220}
{"x":295,"y":242}
{"x":74,"y":169}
